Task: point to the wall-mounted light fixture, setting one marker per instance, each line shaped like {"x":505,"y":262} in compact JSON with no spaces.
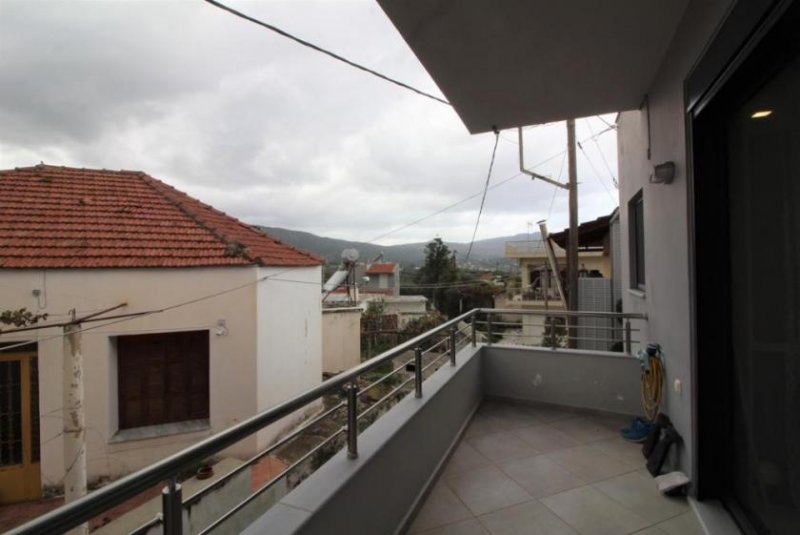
{"x":760,"y":114}
{"x":222,"y":328}
{"x":663,"y":173}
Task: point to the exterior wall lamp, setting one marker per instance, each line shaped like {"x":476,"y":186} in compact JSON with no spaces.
{"x":663,"y":173}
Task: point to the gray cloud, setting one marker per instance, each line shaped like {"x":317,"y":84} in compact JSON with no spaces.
{"x":266,"y":130}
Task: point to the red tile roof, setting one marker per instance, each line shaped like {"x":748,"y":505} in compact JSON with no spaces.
{"x":60,"y":217}
{"x":377,"y":269}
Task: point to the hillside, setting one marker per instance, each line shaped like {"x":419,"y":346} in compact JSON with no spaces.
{"x":486,"y":253}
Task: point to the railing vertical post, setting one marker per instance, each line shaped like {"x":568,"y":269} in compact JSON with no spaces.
{"x":352,"y":420}
{"x":171,"y":508}
{"x":418,"y":372}
{"x":488,"y":328}
{"x":453,"y":346}
{"x":628,"y":341}
{"x":553,"y":341}
{"x":474,"y":329}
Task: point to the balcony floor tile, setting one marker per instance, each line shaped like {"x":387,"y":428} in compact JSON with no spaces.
{"x":530,"y":518}
{"x":502,"y":446}
{"x":487,"y":489}
{"x":545,"y":469}
{"x":442,"y":507}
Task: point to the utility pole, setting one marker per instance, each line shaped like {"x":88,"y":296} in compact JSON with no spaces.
{"x":74,"y":430}
{"x":572,"y":246}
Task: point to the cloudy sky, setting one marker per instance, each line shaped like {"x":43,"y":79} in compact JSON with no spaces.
{"x":269,"y":131}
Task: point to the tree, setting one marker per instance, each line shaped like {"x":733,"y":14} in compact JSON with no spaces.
{"x":20,"y":318}
{"x":439,"y":268}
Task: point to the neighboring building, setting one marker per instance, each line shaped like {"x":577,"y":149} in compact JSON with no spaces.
{"x":594,"y":258}
{"x":341,"y":338}
{"x":708,"y":143}
{"x":231,"y":321}
{"x":383,"y":278}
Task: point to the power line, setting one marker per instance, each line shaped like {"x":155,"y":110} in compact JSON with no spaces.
{"x":596,"y":173}
{"x":600,"y":150}
{"x":323,"y":50}
{"x":485,"y":189}
{"x":496,"y":185}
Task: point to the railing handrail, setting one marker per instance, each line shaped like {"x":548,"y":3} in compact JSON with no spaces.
{"x":87,"y":507}
{"x":561,"y":312}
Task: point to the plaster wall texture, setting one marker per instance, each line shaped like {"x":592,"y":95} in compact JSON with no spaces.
{"x":666,"y":298}
{"x":341,"y":339}
{"x":231,"y":358}
{"x":289,"y":331}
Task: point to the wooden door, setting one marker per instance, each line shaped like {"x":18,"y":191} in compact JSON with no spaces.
{"x":20,"y":477}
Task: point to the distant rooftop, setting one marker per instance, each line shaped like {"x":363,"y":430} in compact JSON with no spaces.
{"x":383,"y":267}
{"x":61,"y":217}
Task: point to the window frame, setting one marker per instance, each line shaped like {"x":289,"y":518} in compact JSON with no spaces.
{"x":162,"y":397}
{"x":636,"y":241}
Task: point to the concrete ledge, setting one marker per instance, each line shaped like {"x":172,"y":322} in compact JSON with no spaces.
{"x":399,"y":456}
{"x":598,"y":380}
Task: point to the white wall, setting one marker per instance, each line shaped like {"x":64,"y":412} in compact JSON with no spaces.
{"x":666,"y":299}
{"x":289,"y":323}
{"x":341,"y":338}
{"x":232,"y":357}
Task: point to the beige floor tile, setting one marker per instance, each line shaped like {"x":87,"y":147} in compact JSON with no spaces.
{"x":639,"y":494}
{"x":530,"y":518}
{"x":464,"y":458}
{"x":622,"y":450}
{"x":651,"y":531}
{"x":465,"y":527}
{"x":482,"y":424}
{"x":584,"y":429}
{"x":499,"y":447}
{"x":589,"y":463}
{"x":685,"y":524}
{"x":442,"y":507}
{"x":545,"y":438}
{"x":516,"y":416}
{"x":540,"y":476}
{"x":549,"y":413}
{"x":486,"y":489}
{"x":591,"y":512}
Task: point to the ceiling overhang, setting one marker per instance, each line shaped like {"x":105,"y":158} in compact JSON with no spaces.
{"x":508,"y":63}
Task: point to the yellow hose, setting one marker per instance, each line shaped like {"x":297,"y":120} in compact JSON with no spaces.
{"x":652,"y":387}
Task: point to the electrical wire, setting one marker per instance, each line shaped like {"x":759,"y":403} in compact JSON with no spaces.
{"x":495,"y":185}
{"x":596,"y":173}
{"x":323,"y":50}
{"x":485,"y":189}
{"x":603,"y":156}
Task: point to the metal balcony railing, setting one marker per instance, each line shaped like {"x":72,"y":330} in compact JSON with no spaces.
{"x":420,"y":355}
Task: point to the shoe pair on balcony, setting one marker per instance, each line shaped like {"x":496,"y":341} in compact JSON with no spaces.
{"x":638,"y":430}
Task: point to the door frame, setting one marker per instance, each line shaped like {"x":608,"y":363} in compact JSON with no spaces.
{"x":747,"y":50}
{"x":29,"y":471}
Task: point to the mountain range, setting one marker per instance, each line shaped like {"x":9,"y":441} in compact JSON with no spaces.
{"x":487,"y":253}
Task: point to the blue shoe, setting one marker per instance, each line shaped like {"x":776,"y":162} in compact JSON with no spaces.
{"x":636,"y":423}
{"x":638,"y":430}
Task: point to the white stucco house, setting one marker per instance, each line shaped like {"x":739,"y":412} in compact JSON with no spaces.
{"x":231,"y":323}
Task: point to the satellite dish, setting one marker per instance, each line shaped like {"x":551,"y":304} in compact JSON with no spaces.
{"x":350,"y":255}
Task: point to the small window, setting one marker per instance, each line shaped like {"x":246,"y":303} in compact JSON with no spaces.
{"x":636,"y":226}
{"x":162,"y":378}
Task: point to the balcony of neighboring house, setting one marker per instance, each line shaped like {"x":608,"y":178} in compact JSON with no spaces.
{"x":471,"y":427}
